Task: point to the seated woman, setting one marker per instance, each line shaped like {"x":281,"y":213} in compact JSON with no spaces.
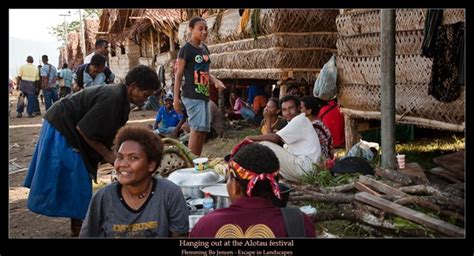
{"x":138,"y":205}
{"x":255,"y":112}
{"x":311,"y":108}
{"x":252,"y":184}
{"x":332,"y":117}
{"x":272,"y":122}
{"x":236,"y":104}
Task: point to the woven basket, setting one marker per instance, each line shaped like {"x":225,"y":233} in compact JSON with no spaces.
{"x":284,"y":40}
{"x":297,"y":20}
{"x":270,"y":21}
{"x":411,"y":100}
{"x":300,"y":76}
{"x":272,"y":58}
{"x":366,"y":70}
{"x":407,"y":42}
{"x":406,"y":20}
{"x":358,"y":65}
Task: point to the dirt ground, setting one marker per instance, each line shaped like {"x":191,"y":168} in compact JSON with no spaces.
{"x":23,"y":135}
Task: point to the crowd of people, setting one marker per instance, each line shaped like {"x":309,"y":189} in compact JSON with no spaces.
{"x":87,"y":127}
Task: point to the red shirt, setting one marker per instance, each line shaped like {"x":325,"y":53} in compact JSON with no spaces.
{"x":334,"y":120}
{"x":248,"y":217}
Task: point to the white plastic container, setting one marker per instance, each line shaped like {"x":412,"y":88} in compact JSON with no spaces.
{"x":207,"y":203}
{"x":200,"y":164}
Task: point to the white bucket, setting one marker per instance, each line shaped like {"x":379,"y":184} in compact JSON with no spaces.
{"x":200,"y":164}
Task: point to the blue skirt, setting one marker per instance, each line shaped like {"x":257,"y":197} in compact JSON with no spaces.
{"x":59,"y":182}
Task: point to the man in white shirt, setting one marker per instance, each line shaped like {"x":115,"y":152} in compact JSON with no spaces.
{"x":101,"y":47}
{"x":301,"y":147}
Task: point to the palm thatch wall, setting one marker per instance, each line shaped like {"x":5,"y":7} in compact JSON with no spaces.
{"x":276,"y":44}
{"x":74,"y":56}
{"x":358,"y":62}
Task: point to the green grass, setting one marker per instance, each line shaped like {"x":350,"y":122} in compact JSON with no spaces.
{"x":220,"y":147}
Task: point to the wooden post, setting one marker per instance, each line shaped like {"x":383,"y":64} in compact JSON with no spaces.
{"x":283,"y":88}
{"x":152,"y":44}
{"x":172,"y":41}
{"x":221,"y":102}
{"x":387,"y":88}
{"x":159,"y":42}
{"x":352,"y":135}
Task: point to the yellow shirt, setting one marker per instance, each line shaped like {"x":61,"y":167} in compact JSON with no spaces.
{"x":29,"y":72}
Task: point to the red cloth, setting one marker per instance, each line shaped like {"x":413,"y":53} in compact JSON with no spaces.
{"x":245,"y":214}
{"x":334,"y":120}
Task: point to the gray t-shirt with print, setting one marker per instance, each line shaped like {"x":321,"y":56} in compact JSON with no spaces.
{"x":109,"y":216}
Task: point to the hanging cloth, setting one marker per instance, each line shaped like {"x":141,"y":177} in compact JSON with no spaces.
{"x":447,"y":63}
{"x":432,"y":22}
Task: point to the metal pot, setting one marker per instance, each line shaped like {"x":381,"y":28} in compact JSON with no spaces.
{"x":190,"y":181}
{"x":219,"y":194}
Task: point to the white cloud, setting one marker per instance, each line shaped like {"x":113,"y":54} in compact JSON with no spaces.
{"x":34,"y":24}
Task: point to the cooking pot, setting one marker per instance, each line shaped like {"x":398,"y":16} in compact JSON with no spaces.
{"x":190,"y":181}
{"x":219,"y":194}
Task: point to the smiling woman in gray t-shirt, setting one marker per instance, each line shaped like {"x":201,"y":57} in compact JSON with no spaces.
{"x":138,"y":205}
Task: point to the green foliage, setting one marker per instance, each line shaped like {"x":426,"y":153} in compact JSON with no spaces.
{"x":73,"y":22}
{"x":404,"y":224}
{"x":324,"y":178}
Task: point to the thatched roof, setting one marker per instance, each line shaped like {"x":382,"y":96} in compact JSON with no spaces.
{"x":91,"y":26}
{"x":164,"y":20}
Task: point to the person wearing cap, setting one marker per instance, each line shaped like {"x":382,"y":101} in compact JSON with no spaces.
{"x":253,"y":187}
{"x":168,"y":122}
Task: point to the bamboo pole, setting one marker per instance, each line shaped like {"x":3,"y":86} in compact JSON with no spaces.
{"x":405,"y":119}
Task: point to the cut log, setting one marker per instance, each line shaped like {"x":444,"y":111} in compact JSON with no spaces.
{"x":440,"y":171}
{"x":419,"y":201}
{"x":455,"y":204}
{"x":453,"y":162}
{"x":381,"y":187}
{"x":422,"y":189}
{"x":338,"y":189}
{"x":398,"y":177}
{"x":407,"y":213}
{"x":337,"y":198}
{"x":415,"y":170}
{"x":363,"y":188}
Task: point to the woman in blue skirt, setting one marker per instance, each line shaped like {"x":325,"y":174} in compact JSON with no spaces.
{"x":77,"y":135}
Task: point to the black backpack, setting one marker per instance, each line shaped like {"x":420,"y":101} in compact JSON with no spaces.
{"x":294,"y":221}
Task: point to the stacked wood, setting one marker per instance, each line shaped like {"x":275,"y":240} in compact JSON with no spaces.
{"x":372,"y":200}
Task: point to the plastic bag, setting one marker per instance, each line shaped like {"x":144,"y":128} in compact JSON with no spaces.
{"x":362,"y":149}
{"x":325,"y":86}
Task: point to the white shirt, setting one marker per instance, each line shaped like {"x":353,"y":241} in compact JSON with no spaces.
{"x":300,"y":138}
{"x":89,"y":58}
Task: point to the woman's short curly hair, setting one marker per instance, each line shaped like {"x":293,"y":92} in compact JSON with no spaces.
{"x":151,"y":144}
